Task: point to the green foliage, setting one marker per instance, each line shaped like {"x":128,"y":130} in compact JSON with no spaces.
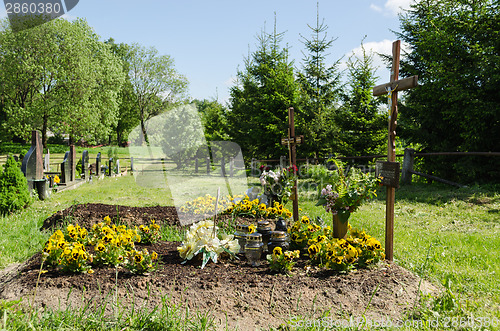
{"x":261,"y":97}
{"x":128,"y":117}
{"x":455,"y":53}
{"x":320,"y":91}
{"x":362,"y":126}
{"x":14,"y":193}
{"x":58,"y":76}
{"x":214,"y":120}
{"x":155,"y":82}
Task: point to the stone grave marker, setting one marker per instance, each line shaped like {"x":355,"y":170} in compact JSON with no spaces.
{"x":85,"y":165}
{"x":98,"y":164}
{"x":32,"y":165}
{"x":46,"y":161}
{"x":66,"y":169}
{"x":110,"y":166}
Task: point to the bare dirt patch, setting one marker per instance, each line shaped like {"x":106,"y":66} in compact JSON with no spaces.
{"x":236,"y":294}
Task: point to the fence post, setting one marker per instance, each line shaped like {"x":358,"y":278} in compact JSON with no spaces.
{"x":231,"y":166}
{"x":253,"y":166}
{"x":406,"y":172}
{"x":196,"y":165}
{"x":208,"y":166}
{"x":222,"y":167}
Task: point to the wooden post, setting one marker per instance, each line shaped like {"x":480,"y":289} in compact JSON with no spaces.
{"x":222,"y":167}
{"x":292,"y":142}
{"x":196,"y":165}
{"x":406,"y":173}
{"x":392,"y":89}
{"x":208,"y":166}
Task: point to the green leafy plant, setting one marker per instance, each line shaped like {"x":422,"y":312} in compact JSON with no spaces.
{"x":150,"y":233}
{"x":346,"y":192}
{"x":14,"y":193}
{"x":141,"y":262}
{"x":282,"y":262}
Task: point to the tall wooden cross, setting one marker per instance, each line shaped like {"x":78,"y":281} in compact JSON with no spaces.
{"x":392,"y":88}
{"x":292,"y":142}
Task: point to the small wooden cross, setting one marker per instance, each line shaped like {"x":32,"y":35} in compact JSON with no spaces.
{"x":392,"y":88}
{"x":292,"y":142}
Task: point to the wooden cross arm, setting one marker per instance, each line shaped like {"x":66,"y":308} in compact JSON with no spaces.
{"x":399,"y":85}
{"x":293,"y":140}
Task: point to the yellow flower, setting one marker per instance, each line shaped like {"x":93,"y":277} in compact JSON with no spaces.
{"x":56,"y":179}
{"x":154,"y":255}
{"x":90,"y":271}
{"x":305,"y":220}
{"x":313,"y":250}
{"x":252,"y":228}
{"x":107,"y":220}
{"x":277,"y":251}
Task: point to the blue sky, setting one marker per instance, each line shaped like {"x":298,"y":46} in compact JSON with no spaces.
{"x":209,"y":39}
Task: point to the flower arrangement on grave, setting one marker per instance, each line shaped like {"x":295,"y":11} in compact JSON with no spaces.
{"x":202,"y":239}
{"x":282,"y":262}
{"x":112,"y":245}
{"x":140,"y":262}
{"x":206,"y":205}
{"x":252,"y":208}
{"x":150,"y":233}
{"x":278,"y":185}
{"x":357,"y":249}
{"x":345,"y":193}
{"x":304,"y":230}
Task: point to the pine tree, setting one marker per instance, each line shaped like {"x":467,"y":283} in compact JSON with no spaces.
{"x":264,"y":91}
{"x":363,"y":127}
{"x":320,"y":92}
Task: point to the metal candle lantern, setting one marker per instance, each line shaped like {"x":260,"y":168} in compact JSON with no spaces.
{"x":241,"y":235}
{"x":264,"y":228}
{"x":253,"y":248}
{"x":278,"y":239}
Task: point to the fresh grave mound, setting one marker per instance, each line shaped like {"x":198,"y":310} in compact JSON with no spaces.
{"x":89,"y":214}
{"x":235,"y":293}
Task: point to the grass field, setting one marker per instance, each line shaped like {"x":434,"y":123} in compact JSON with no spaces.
{"x":447,"y":235}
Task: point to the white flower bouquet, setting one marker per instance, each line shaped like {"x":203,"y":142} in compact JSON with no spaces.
{"x":203,"y":238}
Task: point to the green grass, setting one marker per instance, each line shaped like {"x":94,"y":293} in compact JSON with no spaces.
{"x":446,"y":235}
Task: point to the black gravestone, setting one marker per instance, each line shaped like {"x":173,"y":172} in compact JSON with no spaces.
{"x":98,"y":165}
{"x":110,"y":168}
{"x":66,"y":169}
{"x":85,"y":165}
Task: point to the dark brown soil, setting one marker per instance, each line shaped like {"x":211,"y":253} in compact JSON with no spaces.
{"x":236,"y":294}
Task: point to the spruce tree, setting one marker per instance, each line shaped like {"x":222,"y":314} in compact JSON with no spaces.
{"x":362,"y":126}
{"x":320,"y":92}
{"x":259,"y":101}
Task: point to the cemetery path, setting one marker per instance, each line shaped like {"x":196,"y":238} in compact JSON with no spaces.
{"x":236,"y":294}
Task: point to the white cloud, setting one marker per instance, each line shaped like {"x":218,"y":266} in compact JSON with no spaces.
{"x":376,"y":8}
{"x":393,"y":7}
{"x":375,"y":48}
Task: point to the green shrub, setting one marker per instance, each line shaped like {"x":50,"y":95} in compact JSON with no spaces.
{"x":14,"y":193}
